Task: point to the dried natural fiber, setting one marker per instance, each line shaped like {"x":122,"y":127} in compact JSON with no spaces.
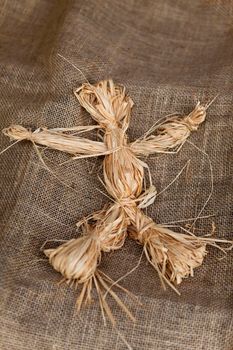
{"x":173,"y":255}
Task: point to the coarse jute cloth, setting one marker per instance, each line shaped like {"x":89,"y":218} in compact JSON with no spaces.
{"x":169,"y":54}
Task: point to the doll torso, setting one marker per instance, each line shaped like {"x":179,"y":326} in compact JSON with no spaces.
{"x":123,"y":172}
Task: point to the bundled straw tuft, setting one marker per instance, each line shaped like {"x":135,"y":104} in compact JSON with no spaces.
{"x":173,"y":255}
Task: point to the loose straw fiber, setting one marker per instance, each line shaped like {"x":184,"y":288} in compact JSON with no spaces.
{"x":173,"y":255}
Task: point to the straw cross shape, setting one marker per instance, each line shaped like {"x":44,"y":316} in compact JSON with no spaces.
{"x":173,"y":255}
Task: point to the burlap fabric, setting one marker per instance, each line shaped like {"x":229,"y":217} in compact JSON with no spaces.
{"x":169,"y":54}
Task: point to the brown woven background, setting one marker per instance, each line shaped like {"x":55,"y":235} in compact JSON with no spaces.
{"x":169,"y":54}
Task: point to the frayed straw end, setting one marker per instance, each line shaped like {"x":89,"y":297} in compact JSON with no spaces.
{"x":173,"y":259}
{"x":173,"y":255}
{"x":77,"y":261}
{"x":17,"y":132}
{"x":176,"y":255}
{"x":103,"y":285}
{"x":48,"y":252}
{"x":196,"y":117}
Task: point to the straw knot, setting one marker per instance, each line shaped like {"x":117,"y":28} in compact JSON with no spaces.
{"x":111,"y":125}
{"x":189,"y":124}
{"x":195,"y":118}
{"x":144,"y":200}
{"x":126,"y":202}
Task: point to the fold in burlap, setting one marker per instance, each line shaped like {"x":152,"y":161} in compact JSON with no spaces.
{"x":169,"y":55}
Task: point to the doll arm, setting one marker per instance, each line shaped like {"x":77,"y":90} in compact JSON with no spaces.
{"x":171,"y":134}
{"x":58,"y":139}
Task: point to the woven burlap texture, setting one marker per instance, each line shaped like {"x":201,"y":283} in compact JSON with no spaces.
{"x":169,"y":54}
